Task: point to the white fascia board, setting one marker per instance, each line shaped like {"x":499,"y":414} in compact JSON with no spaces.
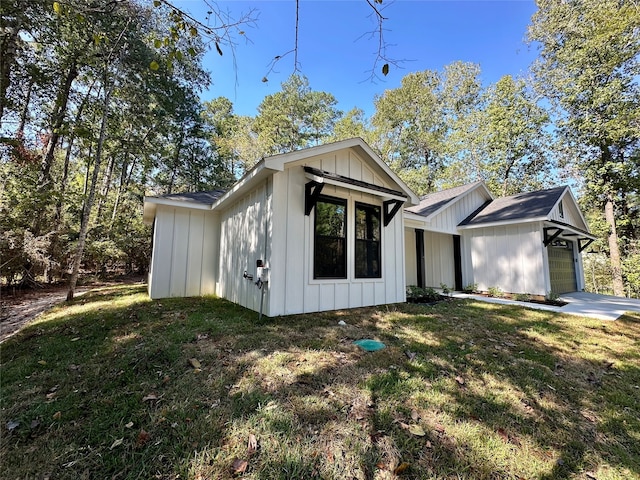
{"x":459,"y":197}
{"x":414,"y":220}
{"x":246,"y":183}
{"x":502,"y":223}
{"x":575,"y":203}
{"x":150,"y":206}
{"x":278,"y":162}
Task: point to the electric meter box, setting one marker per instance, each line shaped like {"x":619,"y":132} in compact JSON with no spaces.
{"x":263,"y":274}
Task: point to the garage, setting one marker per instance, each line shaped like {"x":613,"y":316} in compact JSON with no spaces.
{"x":562,"y":267}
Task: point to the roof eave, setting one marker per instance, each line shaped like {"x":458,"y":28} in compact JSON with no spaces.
{"x":150,"y":206}
{"x":501,"y":223}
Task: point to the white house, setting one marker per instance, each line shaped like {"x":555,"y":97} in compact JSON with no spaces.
{"x":326,"y":222}
{"x":333,"y":227}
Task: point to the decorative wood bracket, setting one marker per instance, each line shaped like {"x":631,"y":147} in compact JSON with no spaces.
{"x":582,"y":246}
{"x":312,"y":192}
{"x":389,"y":214}
{"x":548,"y":238}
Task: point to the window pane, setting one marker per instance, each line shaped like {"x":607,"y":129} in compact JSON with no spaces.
{"x":367,"y":248}
{"x":330,"y":256}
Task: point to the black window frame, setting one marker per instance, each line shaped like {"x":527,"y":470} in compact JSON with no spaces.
{"x":372,"y":247}
{"x":320,"y":243}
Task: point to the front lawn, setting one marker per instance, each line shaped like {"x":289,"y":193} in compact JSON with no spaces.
{"x":118,"y":386}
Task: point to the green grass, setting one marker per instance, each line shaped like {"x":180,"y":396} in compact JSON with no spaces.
{"x":106,"y":387}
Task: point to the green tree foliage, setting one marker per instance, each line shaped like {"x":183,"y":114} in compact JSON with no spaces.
{"x":294,"y":118}
{"x":588,"y":69}
{"x":114,"y":128}
{"x":512,"y":129}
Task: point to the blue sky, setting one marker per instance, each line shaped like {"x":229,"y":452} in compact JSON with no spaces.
{"x":336,"y":52}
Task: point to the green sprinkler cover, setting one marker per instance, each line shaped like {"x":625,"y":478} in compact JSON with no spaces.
{"x":369,"y":345}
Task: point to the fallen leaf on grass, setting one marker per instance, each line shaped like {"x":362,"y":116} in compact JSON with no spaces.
{"x":12,"y":425}
{"x":381,"y":466}
{"x":401,"y":468}
{"x":239,"y":466}
{"x":460,"y":380}
{"x":503,"y":434}
{"x":252,"y":444}
{"x":143,"y":437}
{"x":149,"y":398}
{"x":195,"y":363}
{"x":116,"y":443}
{"x":57,"y":415}
{"x":414,"y":415}
{"x":42,"y":362}
{"x":129,"y":425}
{"x":417,"y":430}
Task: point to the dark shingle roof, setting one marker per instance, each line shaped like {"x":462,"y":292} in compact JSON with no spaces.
{"x":522,"y":206}
{"x":207,"y":198}
{"x":432,"y":202}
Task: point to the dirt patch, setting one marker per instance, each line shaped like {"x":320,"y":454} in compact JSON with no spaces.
{"x":20,"y":307}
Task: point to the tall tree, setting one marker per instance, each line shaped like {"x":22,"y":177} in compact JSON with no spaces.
{"x":589,"y":68}
{"x":512,"y":127}
{"x":416,"y":122}
{"x":296,"y":117}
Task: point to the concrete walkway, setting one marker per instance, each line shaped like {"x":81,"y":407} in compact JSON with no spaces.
{"x":603,"y":307}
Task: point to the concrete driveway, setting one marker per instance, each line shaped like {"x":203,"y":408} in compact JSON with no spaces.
{"x":603,"y":307}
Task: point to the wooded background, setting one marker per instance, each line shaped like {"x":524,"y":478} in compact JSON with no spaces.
{"x":99,"y":105}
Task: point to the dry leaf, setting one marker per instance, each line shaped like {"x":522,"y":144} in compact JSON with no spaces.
{"x":503,"y":434}
{"x":414,"y":415}
{"x":460,"y":380}
{"x":149,"y":398}
{"x":57,"y":415}
{"x":400,"y":468}
{"x":195,"y":363}
{"x":42,"y":362}
{"x":239,"y":466}
{"x":116,"y":443}
{"x":129,"y":425}
{"x":428,"y":444}
{"x":381,"y":466}
{"x":143,"y":437}
{"x":12,"y":425}
{"x":417,"y":430}
{"x":252,"y":444}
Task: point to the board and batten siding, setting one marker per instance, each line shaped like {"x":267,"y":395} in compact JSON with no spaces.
{"x":571,"y":215}
{"x":185,"y":245}
{"x":439,"y":260}
{"x":245,"y":237}
{"x":508,"y":257}
{"x":294,"y":289}
{"x":448,"y":220}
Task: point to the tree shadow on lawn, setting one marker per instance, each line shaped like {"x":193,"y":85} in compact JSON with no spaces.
{"x":319,"y":407}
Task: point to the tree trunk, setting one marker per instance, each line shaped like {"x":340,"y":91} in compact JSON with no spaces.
{"x":62,"y":100}
{"x":88,"y":205}
{"x":614,"y":248}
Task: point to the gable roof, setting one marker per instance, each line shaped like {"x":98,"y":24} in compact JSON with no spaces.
{"x":266,"y":167}
{"x":433,"y":203}
{"x":536,"y":205}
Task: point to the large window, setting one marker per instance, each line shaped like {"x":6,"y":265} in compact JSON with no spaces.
{"x":330,"y":247}
{"x":367,"y":254}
